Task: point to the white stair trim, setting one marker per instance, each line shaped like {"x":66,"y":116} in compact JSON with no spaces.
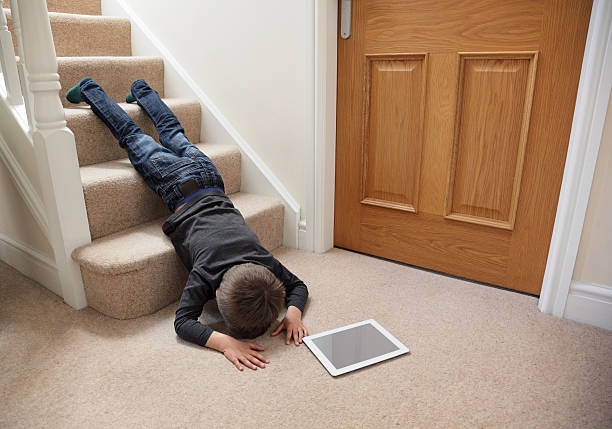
{"x":257,"y":178}
{"x":30,"y":262}
{"x":590,"y":303}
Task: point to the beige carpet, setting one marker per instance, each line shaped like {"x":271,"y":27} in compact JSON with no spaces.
{"x":89,"y":7}
{"x":80,"y":35}
{"x":114,"y":74}
{"x":481,"y":357}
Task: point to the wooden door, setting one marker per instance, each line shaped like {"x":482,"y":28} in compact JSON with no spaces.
{"x":452,"y":129}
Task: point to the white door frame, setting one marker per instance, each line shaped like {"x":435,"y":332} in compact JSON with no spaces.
{"x":325,"y":83}
{"x":585,"y":138}
{"x":587,"y":127}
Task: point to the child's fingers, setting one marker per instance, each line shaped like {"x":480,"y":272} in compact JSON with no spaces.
{"x":246,"y":361}
{"x":296,"y":336}
{"x":259,"y":356}
{"x":256,"y":361}
{"x":237,"y":364}
{"x":288,"y":336}
{"x":280,"y":328}
{"x":301,"y":334}
{"x":255,"y":346}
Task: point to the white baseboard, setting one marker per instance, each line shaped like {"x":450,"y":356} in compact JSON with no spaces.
{"x":256,"y":175}
{"x":30,"y":262}
{"x":591,"y":304}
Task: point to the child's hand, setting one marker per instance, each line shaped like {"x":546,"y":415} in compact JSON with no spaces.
{"x":237,"y":351}
{"x":294,"y":326}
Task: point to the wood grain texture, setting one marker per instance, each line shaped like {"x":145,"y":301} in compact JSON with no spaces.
{"x":495,"y":93}
{"x":452,"y":26}
{"x":393,"y":130}
{"x":564,"y":31}
{"x":490,"y":183}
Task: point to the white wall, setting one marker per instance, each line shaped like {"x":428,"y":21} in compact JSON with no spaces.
{"x":590,"y":295}
{"x":16,"y":221}
{"x":249,"y":57}
{"x":22,"y":243}
{"x":594,"y":261}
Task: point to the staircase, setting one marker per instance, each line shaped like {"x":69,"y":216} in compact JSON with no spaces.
{"x":130,"y":268}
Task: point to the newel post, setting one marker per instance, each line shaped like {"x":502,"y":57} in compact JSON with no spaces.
{"x":54,"y":148}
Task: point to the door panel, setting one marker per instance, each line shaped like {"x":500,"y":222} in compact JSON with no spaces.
{"x":492,"y":120}
{"x":452,"y":128}
{"x":390,"y":120}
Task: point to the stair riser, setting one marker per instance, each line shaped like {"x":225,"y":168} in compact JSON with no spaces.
{"x":115,"y":206}
{"x":85,"y":36}
{"x":114,"y":75}
{"x":85,"y":7}
{"x":161,"y":281}
{"x":137,"y":293}
{"x":96,"y":144}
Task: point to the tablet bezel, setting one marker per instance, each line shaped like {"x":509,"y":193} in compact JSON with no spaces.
{"x":401,"y":349}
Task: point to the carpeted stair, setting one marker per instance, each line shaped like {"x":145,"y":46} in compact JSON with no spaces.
{"x":79,"y":35}
{"x":85,"y":7}
{"x":130,"y":269}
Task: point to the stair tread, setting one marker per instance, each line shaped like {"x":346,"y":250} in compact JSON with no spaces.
{"x":86,"y":17}
{"x":132,"y":109}
{"x":89,"y":7}
{"x":58,"y":16}
{"x":134,"y":248}
{"x":114,"y":73}
{"x":122,"y":168}
{"x":108,"y":60}
{"x":86,"y":35}
{"x":96,"y":144}
{"x":115,"y":185}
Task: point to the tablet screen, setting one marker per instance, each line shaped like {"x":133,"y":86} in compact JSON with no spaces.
{"x":354,"y":345}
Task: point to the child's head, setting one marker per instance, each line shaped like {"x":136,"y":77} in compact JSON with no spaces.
{"x":250,"y":298}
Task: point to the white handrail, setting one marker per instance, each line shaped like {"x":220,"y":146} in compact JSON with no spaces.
{"x":8,"y":63}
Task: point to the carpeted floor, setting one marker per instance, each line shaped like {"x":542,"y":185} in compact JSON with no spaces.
{"x":480,"y":357}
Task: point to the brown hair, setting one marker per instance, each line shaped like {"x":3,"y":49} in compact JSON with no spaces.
{"x":250,"y":299}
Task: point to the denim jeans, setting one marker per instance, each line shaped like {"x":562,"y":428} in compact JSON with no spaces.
{"x":165,"y":167}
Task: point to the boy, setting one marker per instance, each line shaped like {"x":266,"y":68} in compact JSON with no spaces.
{"x":223,"y":255}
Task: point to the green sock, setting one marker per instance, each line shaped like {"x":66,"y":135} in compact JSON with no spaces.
{"x":74,"y":94}
{"x":130,"y":98}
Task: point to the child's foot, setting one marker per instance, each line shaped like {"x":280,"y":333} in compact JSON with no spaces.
{"x":140,"y":84}
{"x":74,"y":94}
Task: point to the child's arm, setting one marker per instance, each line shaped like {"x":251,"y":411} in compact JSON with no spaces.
{"x":190,"y":307}
{"x":297,"y":294}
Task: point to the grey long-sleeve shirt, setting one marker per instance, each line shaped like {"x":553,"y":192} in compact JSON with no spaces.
{"x":210,"y":236}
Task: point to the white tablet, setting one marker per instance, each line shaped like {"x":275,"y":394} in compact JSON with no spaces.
{"x":354,"y":346}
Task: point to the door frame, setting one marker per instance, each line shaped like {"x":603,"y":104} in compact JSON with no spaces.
{"x":589,"y":116}
{"x":587,"y":127}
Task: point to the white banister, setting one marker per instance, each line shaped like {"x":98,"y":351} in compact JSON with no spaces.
{"x":8,"y":64}
{"x":54,"y":145}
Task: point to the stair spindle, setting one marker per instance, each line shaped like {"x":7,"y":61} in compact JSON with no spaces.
{"x":8,"y":64}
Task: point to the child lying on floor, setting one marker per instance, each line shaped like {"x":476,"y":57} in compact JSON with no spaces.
{"x":222,"y":253}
